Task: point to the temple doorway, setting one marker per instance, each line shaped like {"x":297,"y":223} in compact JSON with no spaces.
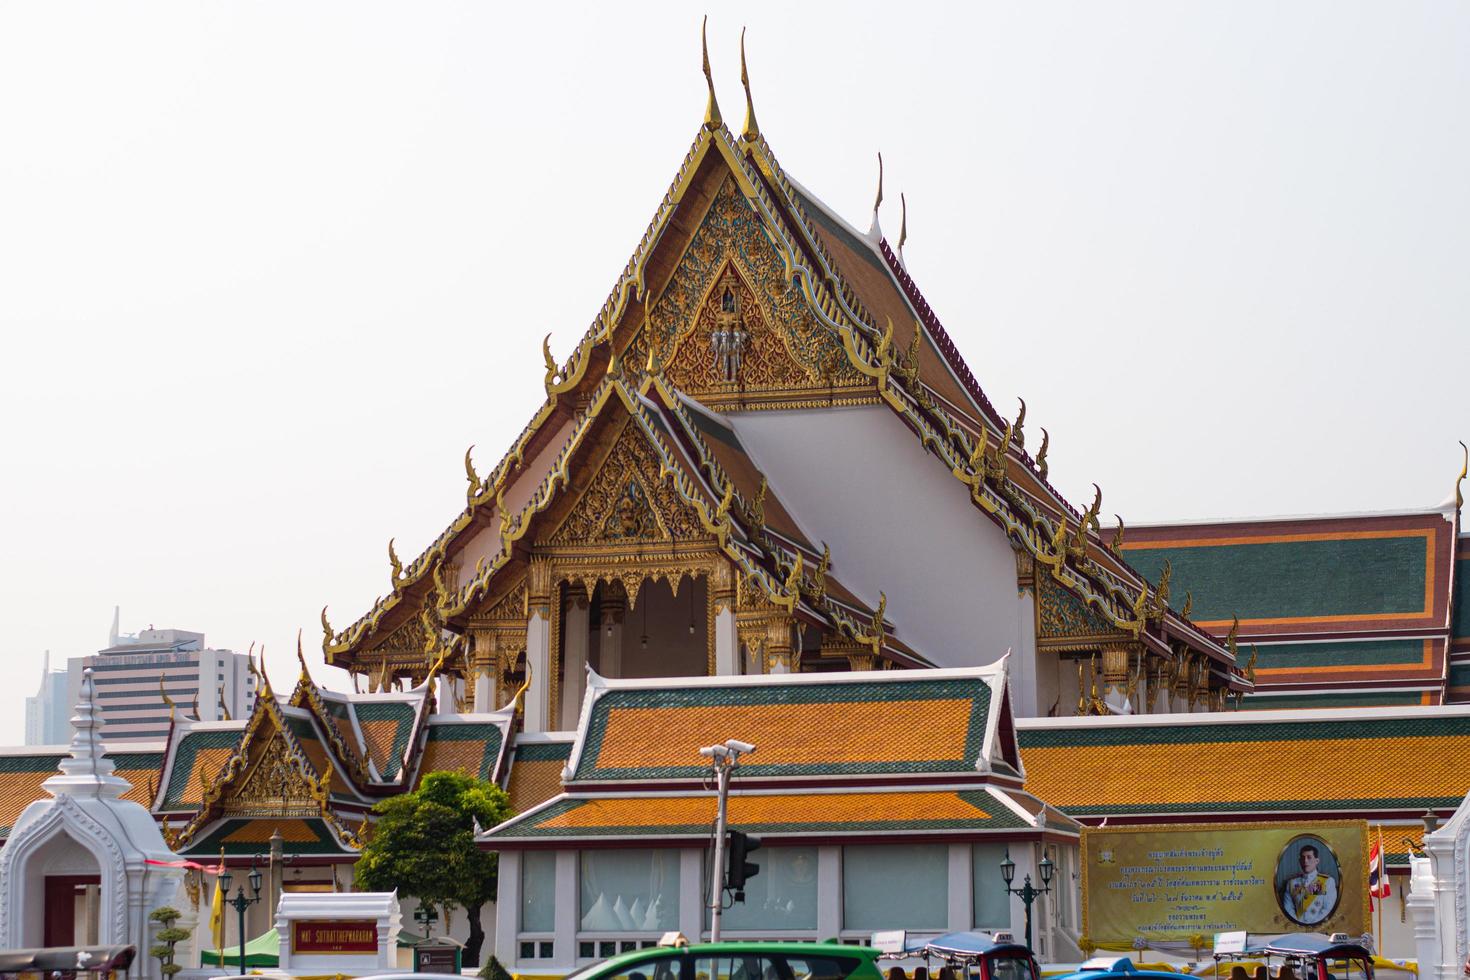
{"x":664,"y":633}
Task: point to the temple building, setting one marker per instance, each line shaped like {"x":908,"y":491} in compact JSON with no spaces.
{"x":753,"y":462}
{"x":765,"y":498}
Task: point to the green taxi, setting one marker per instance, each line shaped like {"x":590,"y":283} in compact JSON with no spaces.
{"x":739,"y":961}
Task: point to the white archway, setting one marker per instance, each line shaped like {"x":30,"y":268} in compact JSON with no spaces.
{"x":86,"y":821}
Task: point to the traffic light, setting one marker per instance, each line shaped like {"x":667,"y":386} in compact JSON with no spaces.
{"x":739,"y":869}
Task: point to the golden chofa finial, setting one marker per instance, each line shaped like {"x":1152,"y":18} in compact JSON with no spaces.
{"x":1464,"y":469}
{"x":903,"y":224}
{"x":752,"y":130}
{"x":712,"y":118}
{"x":874,"y":231}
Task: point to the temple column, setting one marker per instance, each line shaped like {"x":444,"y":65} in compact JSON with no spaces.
{"x":1183,"y":686}
{"x":574,"y":659}
{"x":611,"y":642}
{"x":727,"y":634}
{"x":1115,"y":679}
{"x":779,"y":657}
{"x":538,"y":646}
{"x":483,"y":671}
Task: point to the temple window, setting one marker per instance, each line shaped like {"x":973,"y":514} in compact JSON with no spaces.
{"x":991,"y":903}
{"x":538,"y":892}
{"x":628,"y":891}
{"x":782,"y":897}
{"x":902,"y":886}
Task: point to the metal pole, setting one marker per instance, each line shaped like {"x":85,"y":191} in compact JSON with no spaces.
{"x":1027,"y":898}
{"x":717,"y":874}
{"x":240,"y":907}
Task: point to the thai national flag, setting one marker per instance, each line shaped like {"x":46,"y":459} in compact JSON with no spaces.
{"x":1378,"y":886}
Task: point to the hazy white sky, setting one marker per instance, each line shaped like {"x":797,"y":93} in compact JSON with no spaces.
{"x":266,"y":269}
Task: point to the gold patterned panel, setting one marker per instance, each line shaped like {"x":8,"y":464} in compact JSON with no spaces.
{"x":628,"y":502}
{"x":789,"y":358}
{"x":274,"y":784}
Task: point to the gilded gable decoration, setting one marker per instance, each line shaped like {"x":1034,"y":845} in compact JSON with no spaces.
{"x":627,"y":501}
{"x":731,"y":329}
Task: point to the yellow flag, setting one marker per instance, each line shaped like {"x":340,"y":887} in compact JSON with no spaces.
{"x":217,"y":920}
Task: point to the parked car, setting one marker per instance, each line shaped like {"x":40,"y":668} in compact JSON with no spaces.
{"x":1100,"y":967}
{"x":738,"y":961}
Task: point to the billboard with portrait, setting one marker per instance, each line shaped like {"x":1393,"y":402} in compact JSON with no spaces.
{"x":1172,"y":883}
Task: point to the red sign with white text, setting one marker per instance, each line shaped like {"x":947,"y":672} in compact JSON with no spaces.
{"x":334,"y":936}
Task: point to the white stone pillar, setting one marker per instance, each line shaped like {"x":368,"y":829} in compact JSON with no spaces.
{"x":829,"y":891}
{"x":693,"y":897}
{"x":538,"y":662}
{"x":486,"y":692}
{"x":574,"y":671}
{"x":721,"y":584}
{"x":539,"y":590}
{"x":961,"y":889}
{"x":508,"y":910}
{"x":727,"y":643}
{"x":568,"y":911}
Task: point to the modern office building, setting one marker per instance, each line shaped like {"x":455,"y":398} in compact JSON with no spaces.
{"x":47,"y":712}
{"x":140,"y":678}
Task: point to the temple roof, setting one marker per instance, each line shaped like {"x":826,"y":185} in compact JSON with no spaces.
{"x":831,"y":727}
{"x":864,"y":754}
{"x":317,"y":763}
{"x":1457,"y":683}
{"x":890,"y":349}
{"x":23,"y":770}
{"x":1291,"y":764}
{"x":1360,"y":604}
{"x":783,"y":816}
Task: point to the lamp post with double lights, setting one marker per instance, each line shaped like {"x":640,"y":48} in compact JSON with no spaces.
{"x":1028,"y":892}
{"x":240,"y":902}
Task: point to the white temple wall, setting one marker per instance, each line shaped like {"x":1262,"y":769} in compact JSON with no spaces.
{"x":897,"y":522}
{"x":948,"y":886}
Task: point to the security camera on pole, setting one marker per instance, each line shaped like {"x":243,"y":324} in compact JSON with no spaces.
{"x":724,"y":759}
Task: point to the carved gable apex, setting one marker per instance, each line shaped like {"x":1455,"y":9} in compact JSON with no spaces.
{"x":732,"y":331}
{"x":273,"y":783}
{"x":628,"y":502}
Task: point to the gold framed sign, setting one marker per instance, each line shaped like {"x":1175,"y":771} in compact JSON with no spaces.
{"x":1176,"y":882}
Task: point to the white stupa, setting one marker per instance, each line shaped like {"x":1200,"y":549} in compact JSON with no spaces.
{"x":87,"y":828}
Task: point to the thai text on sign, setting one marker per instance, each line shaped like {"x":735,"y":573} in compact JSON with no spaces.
{"x":334,"y":936}
{"x":1179,"y":884}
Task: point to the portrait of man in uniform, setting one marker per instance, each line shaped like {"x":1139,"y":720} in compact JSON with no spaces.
{"x":1307,"y":881}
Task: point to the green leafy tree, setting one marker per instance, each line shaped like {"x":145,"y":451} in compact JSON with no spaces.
{"x":168,"y":937}
{"x":423,"y":845}
{"x":493,"y":970}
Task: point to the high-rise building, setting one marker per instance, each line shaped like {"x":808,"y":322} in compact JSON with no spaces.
{"x":47,"y":712}
{"x":141,"y":678}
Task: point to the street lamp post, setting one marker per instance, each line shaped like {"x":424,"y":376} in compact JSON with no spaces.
{"x":1028,"y":892}
{"x":240,"y":902}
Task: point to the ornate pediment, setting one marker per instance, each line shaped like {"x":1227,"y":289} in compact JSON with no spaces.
{"x":732,"y":330}
{"x":273,"y":785}
{"x":627,"y":502}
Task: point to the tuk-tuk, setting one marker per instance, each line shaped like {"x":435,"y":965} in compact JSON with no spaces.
{"x":975,"y":956}
{"x":1300,"y":956}
{"x":67,"y":960}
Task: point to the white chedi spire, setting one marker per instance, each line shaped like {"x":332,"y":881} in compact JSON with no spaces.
{"x":86,"y":771}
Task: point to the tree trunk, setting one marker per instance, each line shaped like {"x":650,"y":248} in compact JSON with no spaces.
{"x":476,"y":939}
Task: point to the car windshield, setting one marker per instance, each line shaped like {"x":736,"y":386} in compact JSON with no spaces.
{"x":658,"y":965}
{"x":1011,"y":968}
